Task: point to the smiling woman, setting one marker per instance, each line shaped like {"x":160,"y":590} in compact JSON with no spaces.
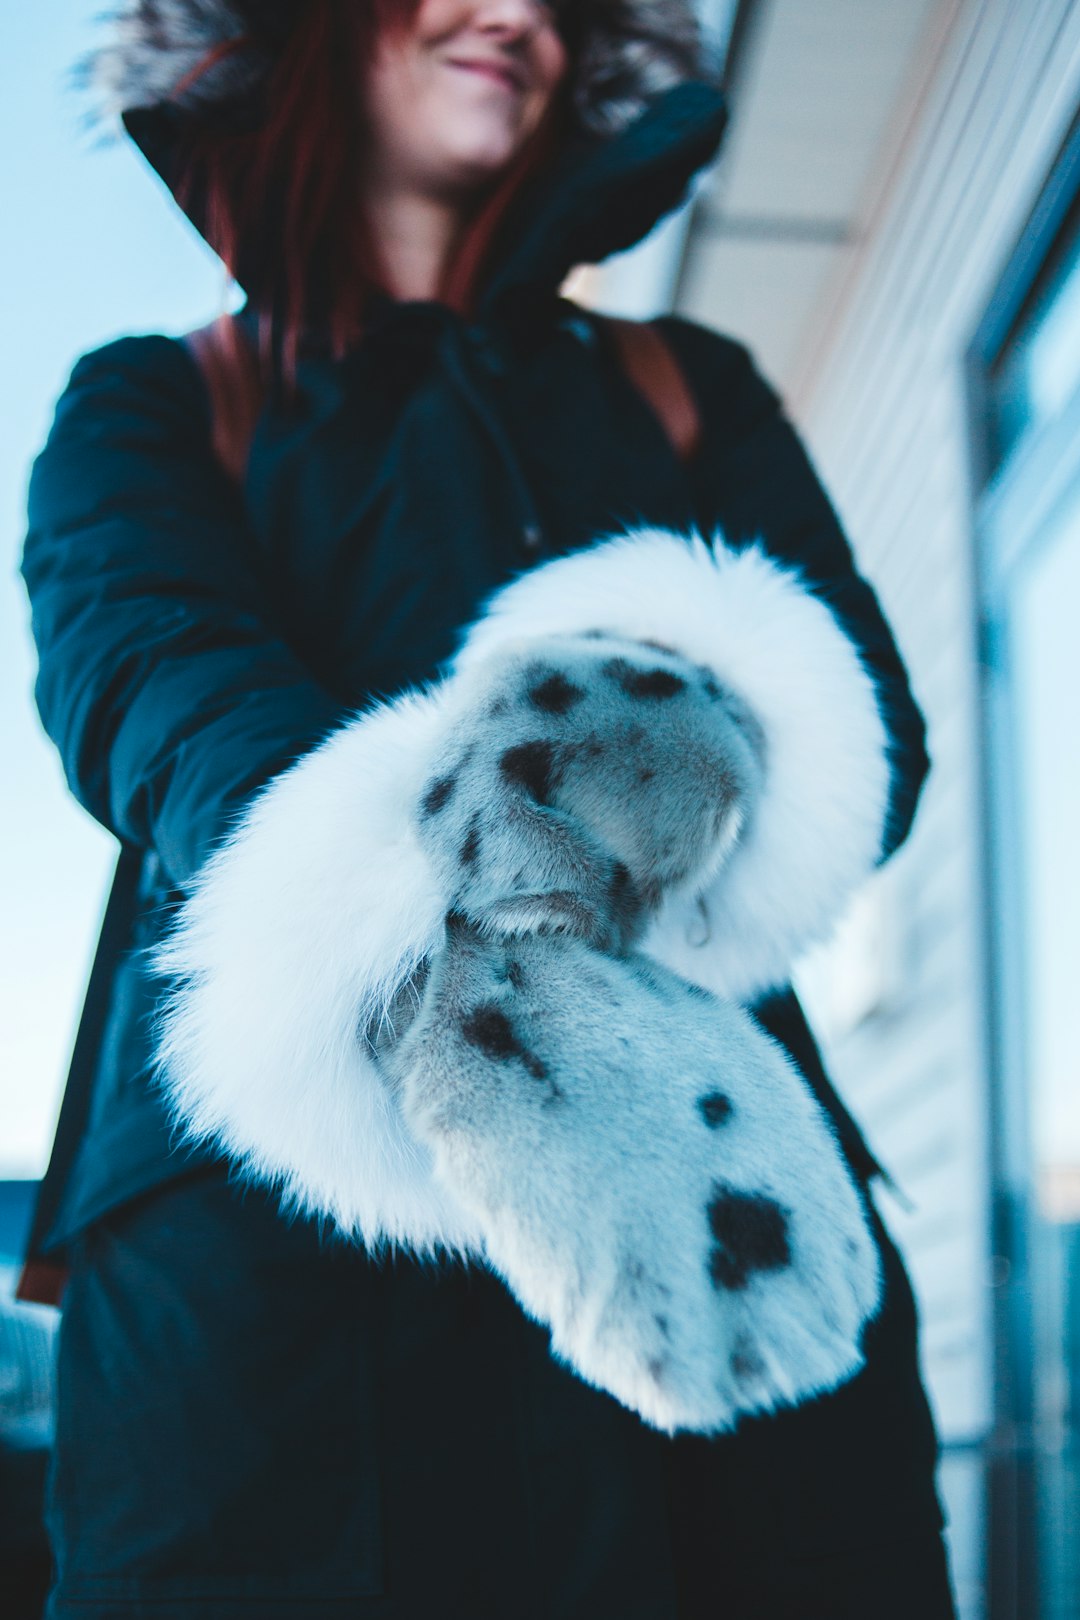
{"x":451,"y":96}
{"x":256,"y":1415}
{"x":454,"y":100}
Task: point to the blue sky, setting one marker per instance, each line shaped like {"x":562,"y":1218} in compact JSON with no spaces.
{"x":92,"y":248}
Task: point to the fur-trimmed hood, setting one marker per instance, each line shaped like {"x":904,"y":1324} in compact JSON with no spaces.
{"x":649,"y":116}
{"x":630,"y":52}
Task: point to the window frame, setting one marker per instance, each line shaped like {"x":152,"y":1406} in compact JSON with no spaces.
{"x":1014,"y":496}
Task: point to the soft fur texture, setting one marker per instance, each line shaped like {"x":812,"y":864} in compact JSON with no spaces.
{"x":768,"y":639}
{"x":602,"y":776}
{"x":653,"y":1179}
{"x":295,"y":944}
{"x":632,"y":51}
{"x":410,"y":989}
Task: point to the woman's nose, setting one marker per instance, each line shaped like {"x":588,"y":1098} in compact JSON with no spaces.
{"x":511,"y":17}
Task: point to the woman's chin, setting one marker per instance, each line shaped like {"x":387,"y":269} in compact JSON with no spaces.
{"x":479,"y":143}
{"x":470,"y":170}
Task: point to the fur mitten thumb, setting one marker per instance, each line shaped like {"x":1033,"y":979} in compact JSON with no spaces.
{"x":651,"y":1176}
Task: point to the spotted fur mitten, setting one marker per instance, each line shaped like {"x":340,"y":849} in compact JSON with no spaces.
{"x":657,"y":764}
{"x":652,"y":1178}
{"x":613,"y":1129}
{"x":598,"y":776}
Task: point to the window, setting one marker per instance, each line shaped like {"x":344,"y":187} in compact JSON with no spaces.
{"x":1027,"y":375}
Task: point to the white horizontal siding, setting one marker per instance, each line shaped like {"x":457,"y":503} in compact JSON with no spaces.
{"x":882,"y":400}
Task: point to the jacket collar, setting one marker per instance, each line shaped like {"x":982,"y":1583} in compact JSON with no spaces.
{"x":602,"y":196}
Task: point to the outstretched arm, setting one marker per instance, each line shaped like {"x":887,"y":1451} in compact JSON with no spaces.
{"x":164,"y":680}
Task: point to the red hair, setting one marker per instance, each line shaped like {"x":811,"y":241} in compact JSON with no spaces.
{"x":279,"y":203}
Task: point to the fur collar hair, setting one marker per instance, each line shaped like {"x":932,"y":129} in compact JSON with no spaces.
{"x":631,"y":51}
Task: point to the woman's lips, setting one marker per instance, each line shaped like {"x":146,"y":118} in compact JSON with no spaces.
{"x":498,"y":72}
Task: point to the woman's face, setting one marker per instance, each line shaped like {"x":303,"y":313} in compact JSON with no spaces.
{"x":453,"y":96}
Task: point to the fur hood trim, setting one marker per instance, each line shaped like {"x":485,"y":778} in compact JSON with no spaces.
{"x":818,"y":829}
{"x":631,"y":51}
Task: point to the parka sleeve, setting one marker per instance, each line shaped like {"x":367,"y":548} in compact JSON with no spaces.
{"x":163,"y":679}
{"x":754,"y":481}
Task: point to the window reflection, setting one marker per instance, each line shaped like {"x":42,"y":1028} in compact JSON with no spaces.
{"x":1033,"y":571}
{"x":1039,"y":370}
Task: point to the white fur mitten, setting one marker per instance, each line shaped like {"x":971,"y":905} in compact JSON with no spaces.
{"x":651,"y":755}
{"x":600,"y":777}
{"x":652,"y":1177}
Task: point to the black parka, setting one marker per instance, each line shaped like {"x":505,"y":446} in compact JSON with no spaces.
{"x":196,"y":638}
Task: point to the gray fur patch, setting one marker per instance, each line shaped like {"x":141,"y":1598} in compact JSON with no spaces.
{"x":594,"y":779}
{"x":605,"y":1241}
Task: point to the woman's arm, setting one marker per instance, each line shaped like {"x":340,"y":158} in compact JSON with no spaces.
{"x":754,"y":481}
{"x":164,"y":681}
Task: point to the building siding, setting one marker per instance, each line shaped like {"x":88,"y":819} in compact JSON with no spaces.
{"x":880,"y":393}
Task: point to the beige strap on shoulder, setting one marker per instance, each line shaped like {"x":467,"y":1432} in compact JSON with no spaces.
{"x":656,"y":374}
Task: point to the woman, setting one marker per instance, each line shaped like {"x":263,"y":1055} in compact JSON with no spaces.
{"x":253,"y":1414}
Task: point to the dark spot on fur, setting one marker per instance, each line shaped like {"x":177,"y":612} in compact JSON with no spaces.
{"x":658,"y":683}
{"x":663,"y":1326}
{"x":515,"y":974}
{"x":491,"y":1032}
{"x":713,"y":690}
{"x":438,"y":794}
{"x":657,"y":1366}
{"x":623,"y":893}
{"x":715,"y":1108}
{"x":470,"y":849}
{"x":621,"y":881}
{"x":659,"y":646}
{"x":530,"y":765}
{"x":751,"y":1235}
{"x":594,"y":635}
{"x":555,"y":695}
{"x":644,"y":683}
{"x":646,"y":774}
{"x":745,"y":1362}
